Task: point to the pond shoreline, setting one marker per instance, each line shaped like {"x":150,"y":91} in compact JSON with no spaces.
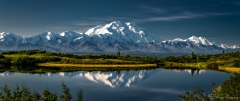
{"x":168,"y":65}
{"x":97,"y":65}
{"x":201,"y":66}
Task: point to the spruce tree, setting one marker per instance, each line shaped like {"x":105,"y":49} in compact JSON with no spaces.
{"x":118,"y":54}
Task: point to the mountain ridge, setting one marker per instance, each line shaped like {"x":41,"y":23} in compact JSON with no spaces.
{"x":110,"y":37}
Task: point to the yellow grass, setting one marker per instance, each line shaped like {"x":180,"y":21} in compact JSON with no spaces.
{"x":35,"y":55}
{"x":95,"y":65}
{"x":198,"y":65}
{"x":218,"y":89}
{"x":229,"y":69}
{"x":203,"y":66}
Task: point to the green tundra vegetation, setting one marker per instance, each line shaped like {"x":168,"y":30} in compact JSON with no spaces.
{"x":230,"y":59}
{"x":38,"y":61}
{"x":40,"y":69}
{"x":228,"y":91}
{"x":4,"y":60}
{"x":24,"y":93}
{"x":229,"y":62}
{"x":30,"y":57}
{"x":226,"y":61}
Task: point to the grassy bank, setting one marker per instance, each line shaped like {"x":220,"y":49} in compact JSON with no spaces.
{"x":32,"y":57}
{"x":97,"y":65}
{"x":198,"y":65}
{"x":228,"y":62}
{"x":201,"y":65}
{"x":229,"y":69}
{"x":55,"y":69}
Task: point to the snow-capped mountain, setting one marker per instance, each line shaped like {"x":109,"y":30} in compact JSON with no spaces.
{"x":9,"y":37}
{"x":195,"y":44}
{"x":9,"y":41}
{"x":121,"y":33}
{"x":199,"y":40}
{"x":195,"y":40}
{"x":110,"y":37}
{"x":42,"y":38}
{"x":234,"y":47}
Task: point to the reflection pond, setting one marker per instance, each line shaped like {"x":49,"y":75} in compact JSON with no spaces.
{"x":141,"y":85}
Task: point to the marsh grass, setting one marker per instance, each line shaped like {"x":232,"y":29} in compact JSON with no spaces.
{"x":66,"y":60}
{"x":230,"y":69}
{"x":201,"y":65}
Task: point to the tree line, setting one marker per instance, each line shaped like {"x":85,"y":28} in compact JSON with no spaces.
{"x":24,"y":93}
{"x":73,"y":58}
{"x":233,"y":57}
{"x":23,"y":58}
{"x":228,"y":91}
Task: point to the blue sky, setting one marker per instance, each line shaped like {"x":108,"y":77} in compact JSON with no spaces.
{"x":217,"y":20}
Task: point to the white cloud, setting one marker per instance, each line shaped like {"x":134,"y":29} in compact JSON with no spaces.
{"x":152,"y":9}
{"x":179,"y":17}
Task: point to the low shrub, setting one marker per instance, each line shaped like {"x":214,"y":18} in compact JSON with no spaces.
{"x":213,"y":66}
{"x":236,"y":64}
{"x":24,"y":60}
{"x":2,"y":56}
{"x":5,"y":61}
{"x":48,"y":59}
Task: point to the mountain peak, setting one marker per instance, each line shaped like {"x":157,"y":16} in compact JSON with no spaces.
{"x":199,"y":40}
{"x":178,"y":39}
{"x":234,"y":47}
{"x":70,"y":35}
{"x":2,"y":32}
{"x":49,"y":33}
{"x":46,"y":33}
{"x":224,"y":46}
{"x":193,"y":38}
{"x":68,"y":32}
{"x":94,"y":30}
{"x":116,"y":25}
{"x":122,"y":32}
{"x":117,"y":22}
{"x":9,"y":37}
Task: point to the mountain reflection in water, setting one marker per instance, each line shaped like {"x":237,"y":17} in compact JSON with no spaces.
{"x":112,"y":79}
{"x":127,"y":85}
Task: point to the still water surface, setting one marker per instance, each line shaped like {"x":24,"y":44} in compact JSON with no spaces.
{"x":143,"y":85}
